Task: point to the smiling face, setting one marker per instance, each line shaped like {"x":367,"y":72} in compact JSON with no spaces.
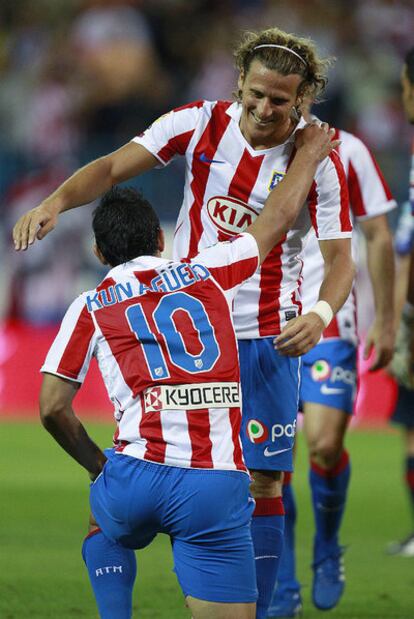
{"x":268,"y":99}
{"x":407,"y":95}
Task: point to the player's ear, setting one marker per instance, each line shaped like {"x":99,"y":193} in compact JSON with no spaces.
{"x":161,"y":240}
{"x":99,"y":254}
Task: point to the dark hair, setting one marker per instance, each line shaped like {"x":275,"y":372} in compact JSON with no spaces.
{"x":125,"y":226}
{"x":409,"y":63}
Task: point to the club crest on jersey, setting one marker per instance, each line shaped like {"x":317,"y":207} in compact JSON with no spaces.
{"x":320,"y":370}
{"x":276,"y":178}
{"x":229,"y":215}
{"x":257,"y":431}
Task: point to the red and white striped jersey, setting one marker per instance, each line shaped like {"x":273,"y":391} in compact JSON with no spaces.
{"x":163,"y":336}
{"x":226,"y":185}
{"x":369,"y":197}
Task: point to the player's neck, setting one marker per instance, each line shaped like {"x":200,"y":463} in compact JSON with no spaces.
{"x":278,"y":137}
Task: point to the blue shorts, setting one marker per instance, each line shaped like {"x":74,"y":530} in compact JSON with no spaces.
{"x":206,"y":513}
{"x":270,"y":390}
{"x":404,"y":410}
{"x":329,"y":375}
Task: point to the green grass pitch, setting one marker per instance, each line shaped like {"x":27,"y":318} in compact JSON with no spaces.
{"x":43,"y":516}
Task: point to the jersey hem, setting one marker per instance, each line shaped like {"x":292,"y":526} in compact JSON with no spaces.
{"x":46,"y":370}
{"x":184,"y":465}
{"x":142,"y":143}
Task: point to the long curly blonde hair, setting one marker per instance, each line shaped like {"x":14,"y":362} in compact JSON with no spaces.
{"x":309,"y":66}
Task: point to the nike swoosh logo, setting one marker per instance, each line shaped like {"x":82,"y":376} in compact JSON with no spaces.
{"x":330,"y":390}
{"x":203,"y":157}
{"x":268,"y":453}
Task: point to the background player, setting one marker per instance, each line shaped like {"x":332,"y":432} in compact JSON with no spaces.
{"x":235,"y":154}
{"x":403,"y":414}
{"x":163,"y":336}
{"x":328,"y":384}
{"x":402,"y":365}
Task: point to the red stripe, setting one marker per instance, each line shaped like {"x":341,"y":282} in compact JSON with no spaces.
{"x":384,"y":183}
{"x":177,"y":144}
{"x":229,"y":276}
{"x":199,"y":431}
{"x":146,"y":276}
{"x":295,"y":300}
{"x":287,"y":478}
{"x":332,"y":330}
{"x":269,"y":507}
{"x":336,"y":470}
{"x":245,"y":177}
{"x":344,"y":216}
{"x":104,"y":285}
{"x":312,"y":202}
{"x":188,"y":106}
{"x":200,"y":170}
{"x":410,"y":479}
{"x":94,"y":532}
{"x":355,"y":194}
{"x":150,"y":429}
{"x":270,"y":282}
{"x":235,"y":422}
{"x":76,"y":349}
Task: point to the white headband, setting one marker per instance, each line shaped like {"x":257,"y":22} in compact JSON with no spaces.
{"x":282,"y":47}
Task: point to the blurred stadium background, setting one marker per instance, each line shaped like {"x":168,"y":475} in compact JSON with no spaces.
{"x":79,"y":78}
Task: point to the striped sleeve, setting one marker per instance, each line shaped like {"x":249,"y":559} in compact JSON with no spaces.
{"x":170,"y":135}
{"x":328,"y":201}
{"x":231,"y":262}
{"x":369,"y":194}
{"x":72,"y":350}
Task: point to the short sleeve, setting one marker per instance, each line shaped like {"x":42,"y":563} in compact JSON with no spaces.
{"x":73,"y":347}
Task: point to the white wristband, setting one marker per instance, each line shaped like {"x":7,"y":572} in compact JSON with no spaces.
{"x":324,"y":311}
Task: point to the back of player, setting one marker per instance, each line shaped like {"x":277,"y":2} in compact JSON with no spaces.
{"x":163,"y":336}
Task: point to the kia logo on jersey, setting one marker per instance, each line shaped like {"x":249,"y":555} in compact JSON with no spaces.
{"x":230,"y":215}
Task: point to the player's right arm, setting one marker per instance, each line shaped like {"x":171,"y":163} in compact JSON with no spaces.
{"x":59,"y":419}
{"x":83,"y":187}
{"x":167,"y":137}
{"x":284,"y":202}
{"x":64,"y":371}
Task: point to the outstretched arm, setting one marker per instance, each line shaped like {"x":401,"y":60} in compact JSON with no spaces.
{"x":380,"y":260}
{"x":84,"y":186}
{"x":58,"y":418}
{"x":313,"y":144}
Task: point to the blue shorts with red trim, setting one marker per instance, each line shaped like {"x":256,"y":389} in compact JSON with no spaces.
{"x":329,"y":375}
{"x":206,"y":513}
{"x":270,"y":390}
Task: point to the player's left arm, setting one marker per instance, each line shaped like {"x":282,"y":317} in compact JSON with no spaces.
{"x":304,"y":332}
{"x":380,"y":262}
{"x":58,"y":417}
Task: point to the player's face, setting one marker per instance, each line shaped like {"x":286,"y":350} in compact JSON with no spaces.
{"x":407,"y":95}
{"x":268,"y":99}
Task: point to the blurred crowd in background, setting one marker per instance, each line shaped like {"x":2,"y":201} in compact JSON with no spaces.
{"x":79,"y":78}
